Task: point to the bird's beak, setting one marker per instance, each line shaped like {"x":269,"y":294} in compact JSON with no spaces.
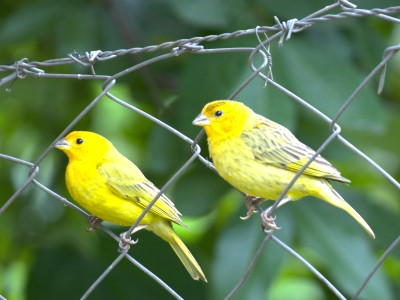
{"x":62,"y":144}
{"x":201,"y":120}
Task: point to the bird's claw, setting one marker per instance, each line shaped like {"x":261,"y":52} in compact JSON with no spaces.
{"x":125,"y":242}
{"x":268,"y":222}
{"x":251,"y":204}
{"x":251,"y":211}
{"x":94,"y":223}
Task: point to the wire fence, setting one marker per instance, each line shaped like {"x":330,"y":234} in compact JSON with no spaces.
{"x":266,"y":35}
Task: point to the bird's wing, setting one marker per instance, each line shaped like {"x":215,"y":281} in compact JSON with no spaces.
{"x":273,"y":144}
{"x":127,"y":182}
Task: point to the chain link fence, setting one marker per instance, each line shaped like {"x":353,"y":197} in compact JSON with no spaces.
{"x":261,"y":63}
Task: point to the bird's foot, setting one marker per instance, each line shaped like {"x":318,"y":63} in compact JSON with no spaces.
{"x":268,"y":222}
{"x":251,"y":204}
{"x":251,"y":211}
{"x":125,"y":242}
{"x":94,"y":223}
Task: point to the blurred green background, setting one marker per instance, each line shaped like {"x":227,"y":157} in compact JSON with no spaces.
{"x":45,"y":252}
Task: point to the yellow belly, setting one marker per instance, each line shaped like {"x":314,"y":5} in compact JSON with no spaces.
{"x":92,"y":194}
{"x":254,"y":178}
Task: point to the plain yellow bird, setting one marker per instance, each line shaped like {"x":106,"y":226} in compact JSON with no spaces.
{"x":112,"y":188}
{"x":260,"y":157}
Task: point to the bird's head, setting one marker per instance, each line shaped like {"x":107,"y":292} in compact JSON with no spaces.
{"x":223,"y":118}
{"x":84,"y":145}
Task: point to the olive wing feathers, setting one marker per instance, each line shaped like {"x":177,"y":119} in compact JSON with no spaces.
{"x":273,"y":144}
{"x":127,"y":182}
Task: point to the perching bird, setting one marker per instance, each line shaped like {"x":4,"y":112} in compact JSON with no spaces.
{"x":112,"y":188}
{"x":260,"y":157}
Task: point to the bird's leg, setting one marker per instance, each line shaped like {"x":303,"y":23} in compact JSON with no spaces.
{"x":268,"y":221}
{"x":251,"y":205}
{"x":126,"y":241}
{"x":94,"y":223}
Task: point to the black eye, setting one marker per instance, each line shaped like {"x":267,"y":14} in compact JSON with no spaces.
{"x":218,"y":113}
{"x":79,"y":141}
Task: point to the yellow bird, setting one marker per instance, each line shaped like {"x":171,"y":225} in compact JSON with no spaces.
{"x":260,"y":157}
{"x":112,"y":188}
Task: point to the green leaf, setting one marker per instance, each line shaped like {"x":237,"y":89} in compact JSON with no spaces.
{"x":305,"y":289}
{"x":266,"y":100}
{"x":209,"y":185}
{"x":235,"y":249}
{"x":206,"y":78}
{"x":296,"y":9}
{"x":325,"y":78}
{"x":217,"y":76}
{"x":28,"y":20}
{"x":344,"y":250}
{"x":207,"y":13}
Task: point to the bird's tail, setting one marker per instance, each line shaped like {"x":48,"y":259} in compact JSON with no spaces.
{"x":166,"y":232}
{"x":332,"y":197}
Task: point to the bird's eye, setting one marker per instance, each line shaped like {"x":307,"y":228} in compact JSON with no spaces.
{"x":79,"y":141}
{"x":218,"y":113}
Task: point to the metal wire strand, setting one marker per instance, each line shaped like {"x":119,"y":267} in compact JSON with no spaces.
{"x":279,"y":32}
{"x":310,"y":267}
{"x":389,"y":250}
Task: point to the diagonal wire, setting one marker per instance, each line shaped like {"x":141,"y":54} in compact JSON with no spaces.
{"x":378,"y":68}
{"x":116,"y":238}
{"x":163,"y":125}
{"x":253,"y":262}
{"x":22,"y":188}
{"x":329,"y":121}
{"x":24,"y":67}
{"x":76,"y":120}
{"x":153,"y":276}
{"x":124,"y":254}
{"x":73,"y":206}
{"x":163,"y":189}
{"x":309,"y":266}
{"x":283,"y":31}
{"x":305,"y":166}
{"x":276,"y":203}
{"x":390,"y":249}
{"x":370,"y":161}
{"x":103,"y":275}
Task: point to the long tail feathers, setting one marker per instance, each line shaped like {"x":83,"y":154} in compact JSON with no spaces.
{"x":335,"y":199}
{"x":168,"y":234}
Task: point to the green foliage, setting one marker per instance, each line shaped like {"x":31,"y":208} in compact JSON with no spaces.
{"x":46,"y":253}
